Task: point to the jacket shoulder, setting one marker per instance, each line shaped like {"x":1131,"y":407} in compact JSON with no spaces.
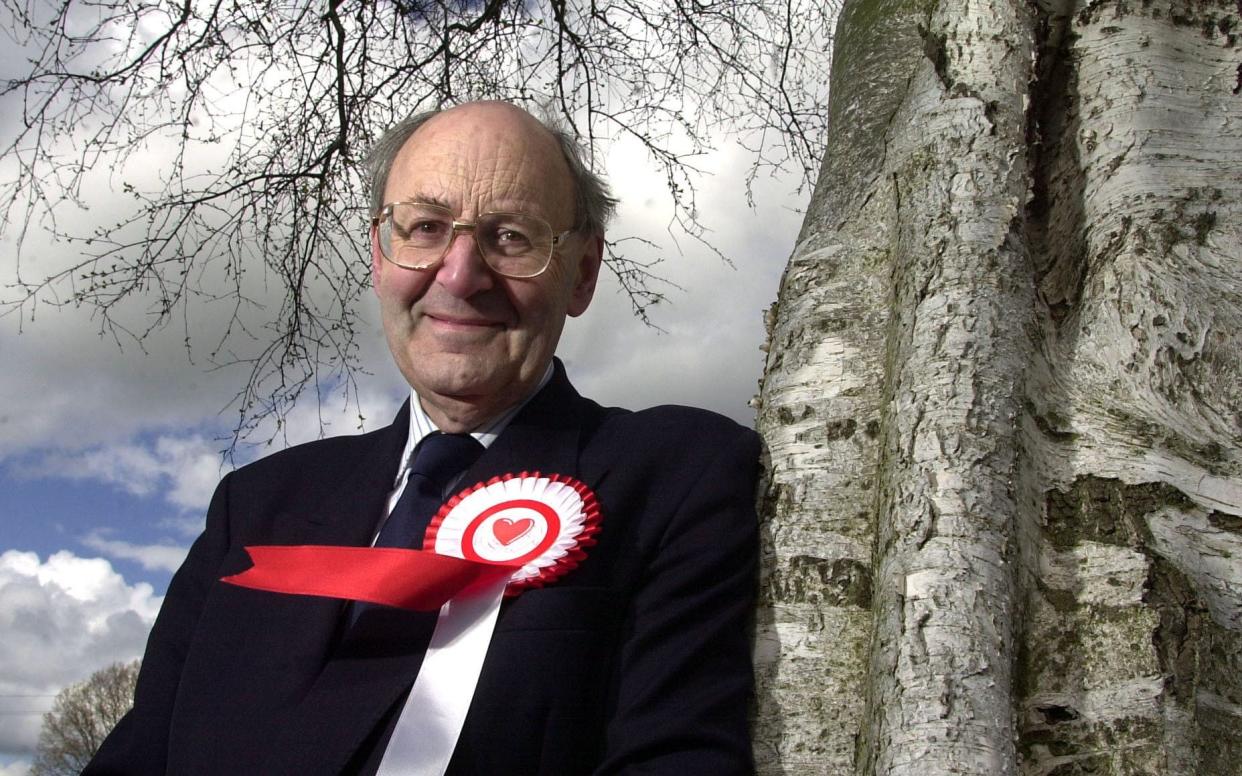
{"x":673,"y":437}
{"x":323,"y":462}
{"x":306,"y":453}
{"x":687,"y":425}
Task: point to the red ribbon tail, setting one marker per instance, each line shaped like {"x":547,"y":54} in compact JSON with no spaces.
{"x":408,"y":579}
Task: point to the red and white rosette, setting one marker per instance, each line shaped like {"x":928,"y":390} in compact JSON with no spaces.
{"x":541,"y":522}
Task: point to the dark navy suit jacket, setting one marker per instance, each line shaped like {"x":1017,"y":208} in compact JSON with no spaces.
{"x":635,"y":662}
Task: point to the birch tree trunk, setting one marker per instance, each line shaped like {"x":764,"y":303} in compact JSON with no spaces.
{"x":1003,"y":400}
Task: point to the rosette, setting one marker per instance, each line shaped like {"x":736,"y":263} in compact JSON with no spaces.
{"x":540,"y":522}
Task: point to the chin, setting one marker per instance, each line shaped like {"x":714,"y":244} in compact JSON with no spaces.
{"x":467,"y":376}
{"x":463,"y":382}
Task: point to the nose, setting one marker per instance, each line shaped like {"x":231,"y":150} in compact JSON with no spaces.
{"x":462,"y":271}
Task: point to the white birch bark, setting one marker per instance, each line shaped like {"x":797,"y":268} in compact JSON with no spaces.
{"x":1003,"y":401}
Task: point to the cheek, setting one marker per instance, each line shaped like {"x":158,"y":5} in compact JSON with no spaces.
{"x":555,"y":287}
{"x":399,"y":288}
{"x":540,"y":305}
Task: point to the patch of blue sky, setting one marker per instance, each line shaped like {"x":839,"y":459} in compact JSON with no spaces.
{"x":46,"y":514}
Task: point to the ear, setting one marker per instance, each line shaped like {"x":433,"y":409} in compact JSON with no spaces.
{"x":588,"y":275}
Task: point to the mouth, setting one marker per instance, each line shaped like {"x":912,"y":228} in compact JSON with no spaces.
{"x":461,"y":323}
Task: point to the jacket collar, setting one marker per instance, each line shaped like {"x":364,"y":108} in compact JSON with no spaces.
{"x":350,"y":513}
{"x":544,"y":437}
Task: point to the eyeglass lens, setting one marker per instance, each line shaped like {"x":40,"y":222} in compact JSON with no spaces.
{"x":417,"y":236}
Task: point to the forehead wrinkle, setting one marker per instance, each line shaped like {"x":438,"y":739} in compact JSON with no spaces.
{"x":498,"y":181}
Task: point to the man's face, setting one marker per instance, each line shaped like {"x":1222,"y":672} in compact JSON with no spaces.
{"x":471,"y":342}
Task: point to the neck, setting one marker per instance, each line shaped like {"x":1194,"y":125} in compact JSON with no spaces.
{"x":465,"y":414}
{"x":458,"y":416}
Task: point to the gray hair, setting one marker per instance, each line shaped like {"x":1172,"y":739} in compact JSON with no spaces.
{"x":594,"y":204}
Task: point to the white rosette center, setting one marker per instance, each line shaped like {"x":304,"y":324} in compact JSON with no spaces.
{"x":537,"y":521}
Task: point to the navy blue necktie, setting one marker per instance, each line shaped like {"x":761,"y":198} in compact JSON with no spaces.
{"x":438,"y":459}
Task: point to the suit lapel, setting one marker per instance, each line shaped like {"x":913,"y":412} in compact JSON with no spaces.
{"x":543,"y":437}
{"x":346,"y":516}
{"x":349,"y":515}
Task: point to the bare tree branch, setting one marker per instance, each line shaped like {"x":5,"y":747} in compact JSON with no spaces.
{"x":264,"y":110}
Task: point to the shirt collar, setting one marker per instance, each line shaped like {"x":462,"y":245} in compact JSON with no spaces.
{"x":486,"y":433}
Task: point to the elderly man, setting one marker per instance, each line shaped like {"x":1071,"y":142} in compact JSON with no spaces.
{"x":596,"y":566}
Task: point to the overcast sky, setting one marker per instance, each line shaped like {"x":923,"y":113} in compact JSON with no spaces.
{"x":108,"y":456}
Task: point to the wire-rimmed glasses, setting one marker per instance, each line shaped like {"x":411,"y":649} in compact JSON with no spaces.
{"x":416,"y":235}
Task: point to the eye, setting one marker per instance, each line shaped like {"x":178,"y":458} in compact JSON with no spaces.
{"x":424,"y":229}
{"x":508,"y":241}
{"x":511,"y":237}
{"x":428,"y":226}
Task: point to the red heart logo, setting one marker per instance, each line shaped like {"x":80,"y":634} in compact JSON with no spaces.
{"x":509,"y":531}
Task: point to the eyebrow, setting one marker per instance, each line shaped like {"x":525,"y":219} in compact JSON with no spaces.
{"x":428,"y":199}
{"x":431,"y":199}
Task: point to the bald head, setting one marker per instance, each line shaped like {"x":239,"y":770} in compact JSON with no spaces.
{"x":485,"y":157}
{"x":593,"y":204}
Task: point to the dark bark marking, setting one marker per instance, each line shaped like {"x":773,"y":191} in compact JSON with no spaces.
{"x":1225,"y":522}
{"x":809,"y":579}
{"x":934,"y":48}
{"x":840,"y":429}
{"x":1054,"y":714}
{"x":1106,"y":511}
{"x":1056,"y":183}
{"x":1178,"y":634}
{"x":1050,"y":423}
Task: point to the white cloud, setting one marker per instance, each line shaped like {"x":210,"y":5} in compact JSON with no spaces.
{"x":62,"y":619}
{"x":373,"y":407}
{"x":184,"y":470}
{"x":192,"y":465}
{"x":187,"y":527}
{"x":70,"y":388}
{"x":152,"y":557}
{"x":15,"y":768}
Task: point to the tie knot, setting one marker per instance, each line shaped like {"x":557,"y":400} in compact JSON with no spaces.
{"x":439,"y":457}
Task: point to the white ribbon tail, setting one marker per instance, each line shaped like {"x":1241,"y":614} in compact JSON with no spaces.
{"x":431,"y":720}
